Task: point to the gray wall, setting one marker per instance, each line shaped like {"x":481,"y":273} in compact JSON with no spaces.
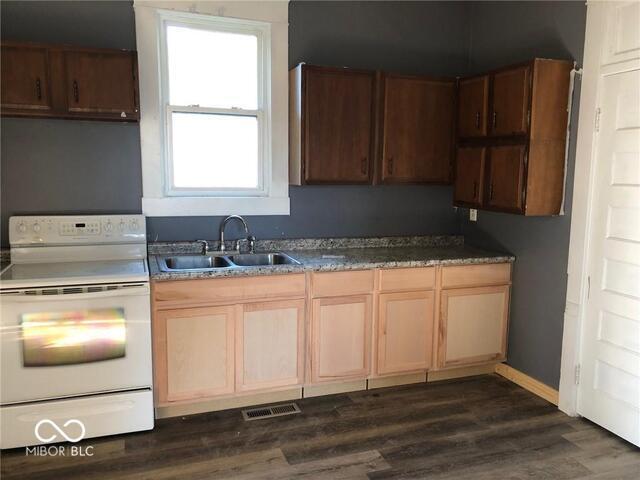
{"x":503,"y":33}
{"x":62,"y":166}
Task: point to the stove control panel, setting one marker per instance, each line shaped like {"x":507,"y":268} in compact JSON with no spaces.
{"x":76,"y":229}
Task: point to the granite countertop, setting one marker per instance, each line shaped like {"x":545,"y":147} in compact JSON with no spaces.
{"x":329,"y":255}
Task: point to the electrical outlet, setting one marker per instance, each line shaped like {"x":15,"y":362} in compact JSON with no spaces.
{"x":473,"y":215}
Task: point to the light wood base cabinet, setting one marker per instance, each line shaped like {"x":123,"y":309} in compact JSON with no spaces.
{"x":269,"y":345}
{"x":340,"y":337}
{"x":405,"y":332}
{"x":193,"y":353}
{"x":473,"y":325}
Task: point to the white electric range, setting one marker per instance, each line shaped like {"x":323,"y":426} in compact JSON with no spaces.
{"x":75,"y":338}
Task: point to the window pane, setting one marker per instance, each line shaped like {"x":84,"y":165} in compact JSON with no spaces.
{"x":214,"y":151}
{"x":212,"y":69}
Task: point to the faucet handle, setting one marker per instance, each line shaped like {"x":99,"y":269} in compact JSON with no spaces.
{"x":205,"y":246}
{"x":251,"y":240}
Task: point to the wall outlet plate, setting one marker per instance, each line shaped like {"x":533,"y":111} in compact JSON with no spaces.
{"x":473,"y":214}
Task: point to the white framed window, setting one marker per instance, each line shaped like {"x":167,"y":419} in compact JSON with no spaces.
{"x":214,"y":106}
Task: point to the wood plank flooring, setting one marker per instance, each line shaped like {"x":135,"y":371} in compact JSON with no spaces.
{"x":475,"y":428}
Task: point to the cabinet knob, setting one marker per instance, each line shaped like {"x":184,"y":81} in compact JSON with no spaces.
{"x":76,"y":93}
{"x":364,"y":165}
{"x":390,"y":166}
{"x":38,"y":89}
{"x":478,"y":120}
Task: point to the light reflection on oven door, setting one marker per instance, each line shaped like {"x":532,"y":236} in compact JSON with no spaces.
{"x":65,"y":338}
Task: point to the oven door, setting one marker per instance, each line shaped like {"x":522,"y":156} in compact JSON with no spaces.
{"x":62,"y":344}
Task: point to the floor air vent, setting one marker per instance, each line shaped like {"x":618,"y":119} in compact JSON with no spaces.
{"x":270,"y":411}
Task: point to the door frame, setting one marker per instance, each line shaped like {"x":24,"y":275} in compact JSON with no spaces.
{"x":598,"y":14}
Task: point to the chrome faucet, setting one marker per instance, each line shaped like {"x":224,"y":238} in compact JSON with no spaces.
{"x":224,"y":224}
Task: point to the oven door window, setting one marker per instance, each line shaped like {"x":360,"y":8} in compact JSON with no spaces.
{"x":66,"y":338}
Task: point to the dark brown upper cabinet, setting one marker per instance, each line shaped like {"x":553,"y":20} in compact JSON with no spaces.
{"x":469,"y":183}
{"x":69,"y":82}
{"x":473,"y":104}
{"x":505,"y":178}
{"x":101,"y":83}
{"x":510,"y":101}
{"x":332,"y":125}
{"x":418,"y":116}
{"x":25,"y":78}
{"x":525,"y":141}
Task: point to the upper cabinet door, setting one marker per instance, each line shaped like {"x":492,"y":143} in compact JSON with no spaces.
{"x":469,"y":176}
{"x":25,"y":78}
{"x":101,"y":82}
{"x":473,"y":98}
{"x":510,"y":105}
{"x":338,"y":125}
{"x":506,"y":172}
{"x":418,"y":129}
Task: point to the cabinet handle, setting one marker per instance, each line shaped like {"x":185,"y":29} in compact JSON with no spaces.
{"x":495,"y":119}
{"x":76,"y":93}
{"x":363,"y":166}
{"x":475,"y":189}
{"x":38,"y":89}
{"x":491,"y":192}
{"x":478,"y":120}
{"x":390,"y":166}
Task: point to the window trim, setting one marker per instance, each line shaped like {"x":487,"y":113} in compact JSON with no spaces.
{"x":274,"y":199}
{"x":262,"y":31}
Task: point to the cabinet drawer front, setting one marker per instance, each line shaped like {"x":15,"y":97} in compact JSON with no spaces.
{"x":407,"y":279}
{"x":331,"y":284}
{"x":216,"y":290}
{"x":476,"y":275}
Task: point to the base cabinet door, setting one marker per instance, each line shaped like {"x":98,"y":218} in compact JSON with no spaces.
{"x":405,"y":332}
{"x":473,"y":325}
{"x":340,"y":338}
{"x":193,"y":349}
{"x":269,"y":345}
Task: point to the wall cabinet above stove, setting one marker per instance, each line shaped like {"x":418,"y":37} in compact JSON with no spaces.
{"x":512,"y":133}
{"x":69,"y":82}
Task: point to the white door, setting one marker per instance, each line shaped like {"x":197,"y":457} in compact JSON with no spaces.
{"x":609,"y":389}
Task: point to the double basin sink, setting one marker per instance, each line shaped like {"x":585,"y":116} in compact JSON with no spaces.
{"x":215,"y":262}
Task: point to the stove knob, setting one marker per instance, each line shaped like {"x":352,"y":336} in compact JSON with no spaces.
{"x":36,"y":227}
{"x":109,"y":226}
{"x":22,"y":228}
{"x":134,"y":224}
{"x":121,"y":225}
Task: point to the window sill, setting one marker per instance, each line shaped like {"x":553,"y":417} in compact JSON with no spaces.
{"x":206,"y":206}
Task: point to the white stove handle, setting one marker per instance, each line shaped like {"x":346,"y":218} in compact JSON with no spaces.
{"x":119,"y":292}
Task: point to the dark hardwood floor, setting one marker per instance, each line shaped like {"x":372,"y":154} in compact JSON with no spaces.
{"x":476,"y":428}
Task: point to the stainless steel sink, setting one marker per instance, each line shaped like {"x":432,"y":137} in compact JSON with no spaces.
{"x":214,"y":262}
{"x":193,"y":262}
{"x":261,"y":259}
